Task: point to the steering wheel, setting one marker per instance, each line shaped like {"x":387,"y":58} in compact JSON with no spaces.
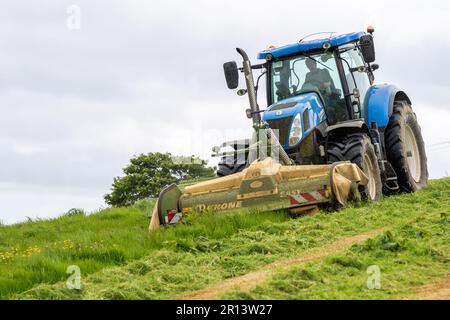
{"x":282,"y":90}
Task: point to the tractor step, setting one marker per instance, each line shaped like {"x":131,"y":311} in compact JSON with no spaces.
{"x":390,"y":180}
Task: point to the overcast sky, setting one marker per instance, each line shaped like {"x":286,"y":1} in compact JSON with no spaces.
{"x":144,"y":76}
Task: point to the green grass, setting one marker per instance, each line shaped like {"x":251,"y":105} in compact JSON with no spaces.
{"x":38,"y":252}
{"x":410,"y":255}
{"x":120,"y":259}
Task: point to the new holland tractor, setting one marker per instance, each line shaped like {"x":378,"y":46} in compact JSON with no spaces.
{"x":328,"y":130}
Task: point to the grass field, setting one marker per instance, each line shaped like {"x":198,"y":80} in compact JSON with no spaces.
{"x":120,"y":259}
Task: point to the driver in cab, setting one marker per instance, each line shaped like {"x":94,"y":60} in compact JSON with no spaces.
{"x":318,"y":78}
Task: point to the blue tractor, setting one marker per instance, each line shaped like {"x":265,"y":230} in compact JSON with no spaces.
{"x":327,"y":132}
{"x":324,"y":107}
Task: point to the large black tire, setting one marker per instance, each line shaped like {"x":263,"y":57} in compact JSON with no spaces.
{"x":405,"y":149}
{"x":358,"y":149}
{"x":229,"y":165}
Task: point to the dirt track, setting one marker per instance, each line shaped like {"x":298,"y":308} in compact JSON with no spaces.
{"x":439,"y":290}
{"x":252,"y":279}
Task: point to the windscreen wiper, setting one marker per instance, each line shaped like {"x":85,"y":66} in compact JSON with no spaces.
{"x":314,"y":59}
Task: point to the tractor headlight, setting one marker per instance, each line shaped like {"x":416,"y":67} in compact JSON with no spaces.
{"x":296,"y":131}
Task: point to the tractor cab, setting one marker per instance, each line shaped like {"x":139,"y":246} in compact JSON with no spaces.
{"x":309,"y":83}
{"x":317,"y":82}
{"x":336,"y":71}
{"x":312,"y":76}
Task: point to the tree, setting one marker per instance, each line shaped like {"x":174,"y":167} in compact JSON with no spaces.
{"x":147,"y":174}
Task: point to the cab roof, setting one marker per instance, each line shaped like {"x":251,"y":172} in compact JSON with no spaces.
{"x":311,"y":45}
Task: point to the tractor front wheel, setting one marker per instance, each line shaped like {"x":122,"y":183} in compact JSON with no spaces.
{"x":358,"y":149}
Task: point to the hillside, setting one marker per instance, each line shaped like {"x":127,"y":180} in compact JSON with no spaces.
{"x":244,"y":254}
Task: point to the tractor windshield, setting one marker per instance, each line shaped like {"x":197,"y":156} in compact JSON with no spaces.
{"x":310,"y":73}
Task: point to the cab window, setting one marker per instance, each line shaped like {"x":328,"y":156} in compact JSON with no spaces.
{"x":356,"y":76}
{"x":310,"y":73}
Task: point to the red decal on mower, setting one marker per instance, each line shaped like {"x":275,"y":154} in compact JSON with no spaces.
{"x":323,"y":193}
{"x":293,"y":201}
{"x":308,"y":196}
{"x":170,"y":215}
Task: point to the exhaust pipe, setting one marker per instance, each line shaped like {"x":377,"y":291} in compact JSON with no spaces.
{"x":250,"y":83}
{"x":254,"y":109}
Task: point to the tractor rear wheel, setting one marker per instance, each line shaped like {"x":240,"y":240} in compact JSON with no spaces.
{"x":405,"y":148}
{"x":358,"y":149}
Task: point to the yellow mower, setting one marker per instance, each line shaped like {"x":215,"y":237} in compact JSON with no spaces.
{"x":264,"y":185}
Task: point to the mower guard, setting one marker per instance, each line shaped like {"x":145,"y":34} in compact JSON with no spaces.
{"x":265,"y":185}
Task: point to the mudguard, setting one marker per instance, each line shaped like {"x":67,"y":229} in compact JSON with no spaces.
{"x":379,"y":103}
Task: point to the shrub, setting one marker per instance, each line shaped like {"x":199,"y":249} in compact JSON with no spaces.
{"x":147,"y":174}
{"x":75,"y":212}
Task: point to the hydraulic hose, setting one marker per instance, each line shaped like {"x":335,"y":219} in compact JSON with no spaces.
{"x":284,"y":158}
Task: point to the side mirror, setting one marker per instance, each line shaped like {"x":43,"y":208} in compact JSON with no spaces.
{"x":231,"y":74}
{"x":374,"y":67}
{"x":367,"y":48}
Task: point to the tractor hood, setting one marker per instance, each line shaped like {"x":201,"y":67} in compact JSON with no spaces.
{"x":280,"y":116}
